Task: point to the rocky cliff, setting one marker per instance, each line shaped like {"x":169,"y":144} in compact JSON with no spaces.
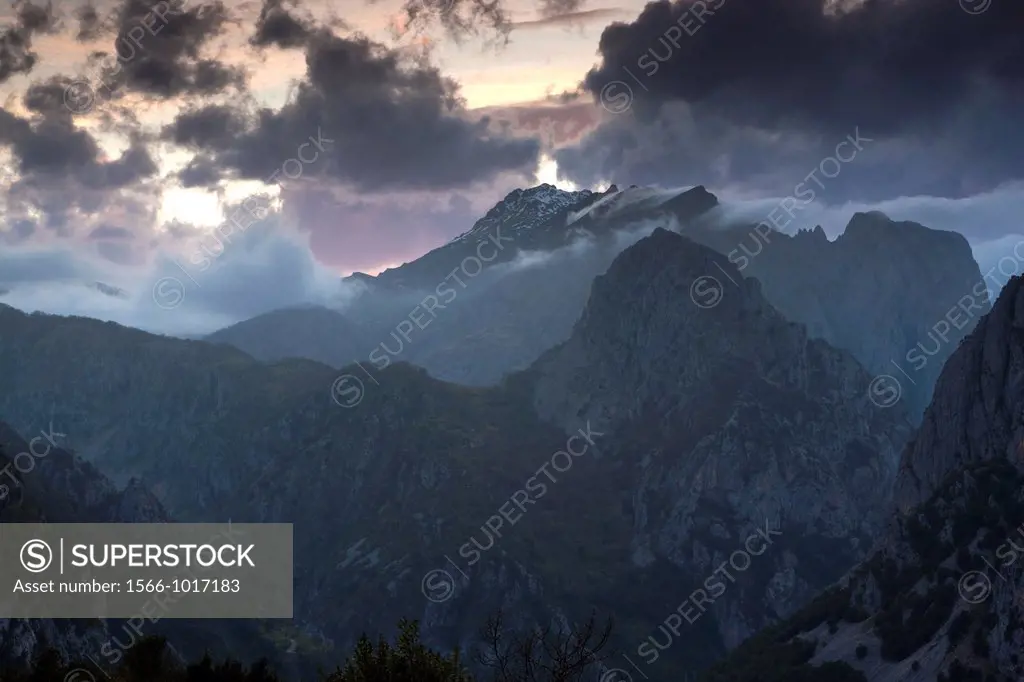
{"x":940,"y":596}
{"x":724,"y":418}
{"x":978,"y":410}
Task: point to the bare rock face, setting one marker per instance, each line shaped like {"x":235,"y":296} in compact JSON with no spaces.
{"x":725,"y":420}
{"x":940,"y":595}
{"x":977,"y":413}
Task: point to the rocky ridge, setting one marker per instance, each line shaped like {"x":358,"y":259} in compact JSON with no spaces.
{"x":868,"y":291}
{"x":940,"y":596}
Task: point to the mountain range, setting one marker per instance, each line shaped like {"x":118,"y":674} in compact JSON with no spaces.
{"x":492,"y":317}
{"x":638,"y":386}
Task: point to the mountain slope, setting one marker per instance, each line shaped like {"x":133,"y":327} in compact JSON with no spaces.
{"x":522,"y":218}
{"x":897,"y":295}
{"x":383,"y":494}
{"x":49,"y":484}
{"x":977,"y":413}
{"x":722,"y":419}
{"x":940,"y":596}
{"x":486,"y":319}
{"x":328,"y":336}
{"x":927,"y":605}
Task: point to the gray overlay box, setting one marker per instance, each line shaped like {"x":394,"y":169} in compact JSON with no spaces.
{"x":43,"y":555}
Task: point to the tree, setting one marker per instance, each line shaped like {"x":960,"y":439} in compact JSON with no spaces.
{"x":407,"y":661}
{"x":545,"y":654}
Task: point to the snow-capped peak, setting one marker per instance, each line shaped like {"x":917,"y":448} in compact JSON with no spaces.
{"x":523,"y":209}
{"x":619,"y":201}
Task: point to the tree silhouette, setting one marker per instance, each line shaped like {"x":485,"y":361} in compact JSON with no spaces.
{"x":544,"y":654}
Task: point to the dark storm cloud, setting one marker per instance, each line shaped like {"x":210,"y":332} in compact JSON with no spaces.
{"x":157,"y":49}
{"x":134,"y":164}
{"x":887,"y":66}
{"x":939,"y":89}
{"x":277,"y":26}
{"x":686,"y":146}
{"x":88,"y":23}
{"x":210,"y":77}
{"x":36,"y":18}
{"x":60,"y":167}
{"x":384,"y":122}
{"x":53,"y":146}
{"x":200,"y":172}
{"x":16,"y":55}
{"x":46,"y":98}
{"x":211,"y":127}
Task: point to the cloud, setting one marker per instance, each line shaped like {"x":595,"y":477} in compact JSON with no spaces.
{"x":269,"y":266}
{"x":886,"y":66}
{"x":16,"y":55}
{"x":932,"y":84}
{"x":390,"y":134}
{"x":358,"y":233}
{"x":486,"y":19}
{"x":89,"y":27}
{"x":200,"y":172}
{"x":212,"y":126}
{"x":394,"y":122}
{"x":272,"y":264}
{"x":567,"y":18}
{"x":981,"y":218}
{"x":277,"y":26}
{"x":61,"y":172}
{"x":158,"y":51}
{"x":556,"y":121}
{"x":459,"y":19}
{"x":991,"y":222}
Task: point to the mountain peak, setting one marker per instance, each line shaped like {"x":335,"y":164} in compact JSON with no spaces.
{"x":524,"y":208}
{"x":693,"y":201}
{"x":666,"y":261}
{"x":541,"y":194}
{"x":874,"y":228}
{"x":875,"y":223}
{"x":644,"y":202}
{"x":666,"y":246}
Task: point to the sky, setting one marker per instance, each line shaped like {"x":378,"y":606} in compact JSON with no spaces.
{"x":368,"y":133}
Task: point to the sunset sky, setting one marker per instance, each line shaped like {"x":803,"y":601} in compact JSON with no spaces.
{"x":430,"y":127}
